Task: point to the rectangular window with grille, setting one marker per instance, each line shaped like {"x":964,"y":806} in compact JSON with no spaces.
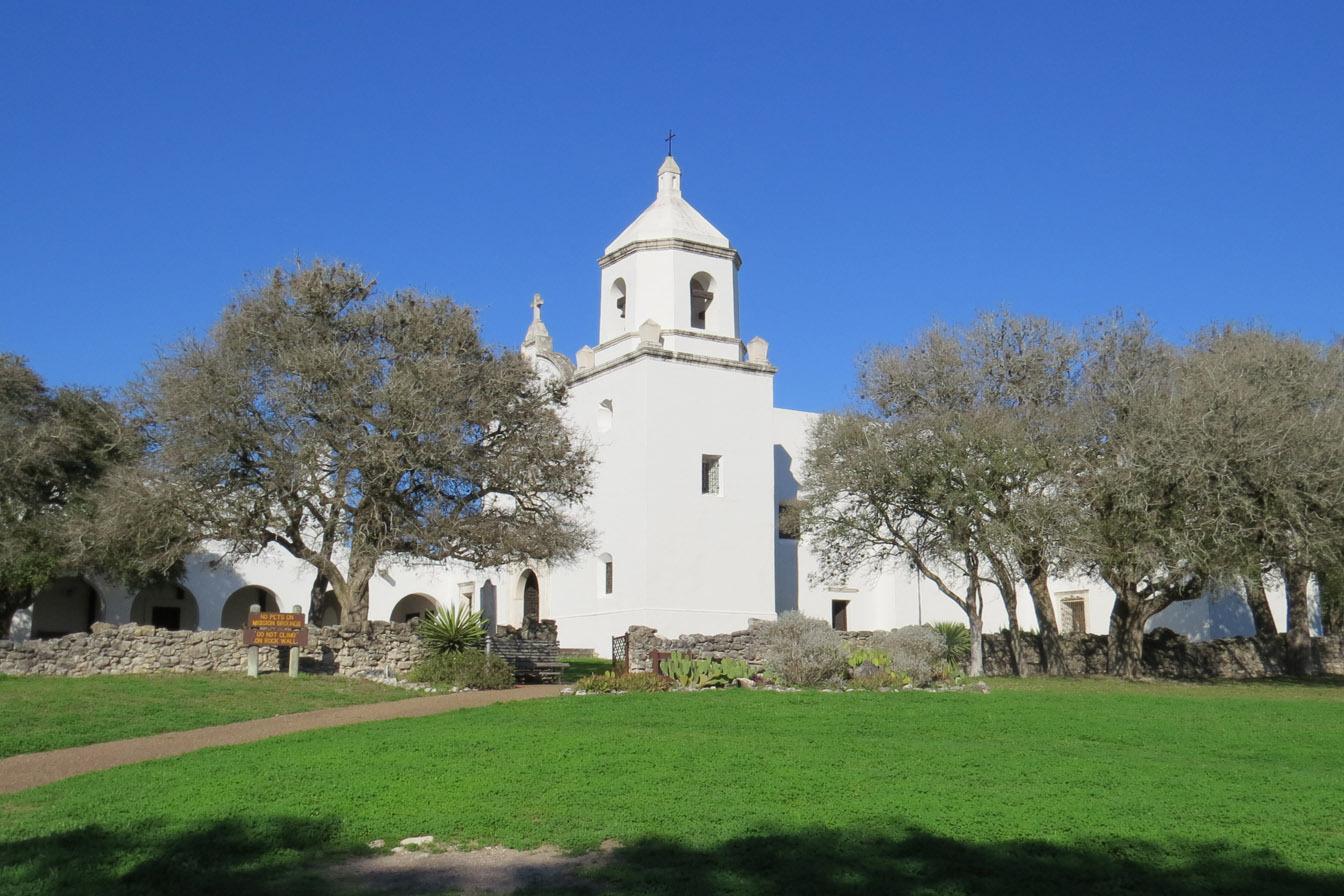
{"x":709,"y":474}
{"x":609,"y":576}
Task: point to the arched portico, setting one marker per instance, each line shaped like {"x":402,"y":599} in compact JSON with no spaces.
{"x":414,"y":606}
{"x":236,"y":608}
{"x":65,"y":606}
{"x":166,"y":606}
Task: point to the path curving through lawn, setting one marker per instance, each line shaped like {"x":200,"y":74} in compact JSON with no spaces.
{"x":35,"y":769}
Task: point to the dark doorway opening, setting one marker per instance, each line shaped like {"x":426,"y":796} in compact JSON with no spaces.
{"x":840,"y":615}
{"x":531,"y":597}
{"x":166,"y":617}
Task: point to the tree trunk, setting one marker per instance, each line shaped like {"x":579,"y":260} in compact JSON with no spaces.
{"x":1124,"y":648}
{"x":976,"y":666}
{"x":317,"y":599}
{"x":1254,"y":583}
{"x":1014,"y":630}
{"x":355,"y":600}
{"x":1053,"y":659}
{"x":1297,"y":582}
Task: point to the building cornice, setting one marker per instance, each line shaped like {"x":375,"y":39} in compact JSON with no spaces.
{"x":650,"y":351}
{"x":670,"y":243}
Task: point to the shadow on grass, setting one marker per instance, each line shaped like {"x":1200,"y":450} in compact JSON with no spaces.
{"x":251,"y":856}
{"x":912,"y":861}
{"x":285,"y":855}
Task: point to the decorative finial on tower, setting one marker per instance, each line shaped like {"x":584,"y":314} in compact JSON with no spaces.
{"x":538,"y":337}
{"x":668,"y":138}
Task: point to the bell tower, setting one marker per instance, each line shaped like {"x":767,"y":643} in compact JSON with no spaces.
{"x":673,"y":268}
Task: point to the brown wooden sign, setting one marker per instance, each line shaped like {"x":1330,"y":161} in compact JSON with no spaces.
{"x":276,"y":630}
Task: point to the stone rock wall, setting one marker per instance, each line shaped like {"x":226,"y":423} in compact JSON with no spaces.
{"x":383,"y":647}
{"x":746,"y":645}
{"x":528,"y":647}
{"x":1165,"y":653}
{"x":1169,"y":655}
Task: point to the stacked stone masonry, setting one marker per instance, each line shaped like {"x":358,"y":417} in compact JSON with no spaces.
{"x":384,"y":648}
{"x":1165,"y":653}
{"x":531,"y":649}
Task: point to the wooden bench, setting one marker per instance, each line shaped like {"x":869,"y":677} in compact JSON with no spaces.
{"x":549,"y":671}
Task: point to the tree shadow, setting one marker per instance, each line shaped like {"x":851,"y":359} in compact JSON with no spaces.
{"x":254,"y":856}
{"x":288,"y":855}
{"x":913,"y":861}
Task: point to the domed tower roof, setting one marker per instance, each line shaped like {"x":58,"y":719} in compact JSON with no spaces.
{"x":670,"y":217}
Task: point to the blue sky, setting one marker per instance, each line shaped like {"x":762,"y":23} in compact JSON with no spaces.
{"x":877,"y":165}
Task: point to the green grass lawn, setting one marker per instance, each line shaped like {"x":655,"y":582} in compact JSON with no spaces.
{"x":1036,"y":788}
{"x":579,"y":666}
{"x":43,"y":713}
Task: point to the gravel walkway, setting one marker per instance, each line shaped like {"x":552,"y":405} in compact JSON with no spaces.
{"x":35,"y":769}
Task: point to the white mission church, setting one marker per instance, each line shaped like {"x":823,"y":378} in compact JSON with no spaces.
{"x":695,"y":463}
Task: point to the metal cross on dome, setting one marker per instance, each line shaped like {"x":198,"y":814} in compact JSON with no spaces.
{"x":668,"y":138}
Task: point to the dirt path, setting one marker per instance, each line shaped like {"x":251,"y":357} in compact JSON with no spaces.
{"x":35,"y":769}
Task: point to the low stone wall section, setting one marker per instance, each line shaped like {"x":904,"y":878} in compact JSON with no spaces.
{"x":1165,"y":653}
{"x":384,"y":648}
{"x":529,"y":649}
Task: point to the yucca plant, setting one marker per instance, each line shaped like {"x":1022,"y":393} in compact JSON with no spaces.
{"x":452,"y":629}
{"x":958,"y":639}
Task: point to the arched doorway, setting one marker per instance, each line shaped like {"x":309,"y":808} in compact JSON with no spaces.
{"x":413,"y":606}
{"x":65,"y":606}
{"x":531,"y":596}
{"x":166,"y":606}
{"x":331,"y":609}
{"x":234,"y":614}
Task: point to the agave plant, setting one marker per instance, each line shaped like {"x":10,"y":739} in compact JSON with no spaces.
{"x":958,"y":639}
{"x":452,"y":629}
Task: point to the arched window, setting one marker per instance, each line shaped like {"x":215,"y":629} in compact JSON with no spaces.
{"x":606,"y":414}
{"x":702,"y":294}
{"x":618,"y":296}
{"x":607,"y":573}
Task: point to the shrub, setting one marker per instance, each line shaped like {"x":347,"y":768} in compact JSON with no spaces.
{"x":452,"y":629}
{"x":608,"y":682}
{"x":802,"y":651}
{"x":915,"y":650}
{"x":871,"y":657}
{"x":881,"y":679}
{"x":464,"y":669}
{"x":693,"y":673}
{"x":957,"y":638}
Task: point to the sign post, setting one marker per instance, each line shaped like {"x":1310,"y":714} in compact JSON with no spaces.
{"x":252,"y":650}
{"x":275,"y":630}
{"x":294,"y":651}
